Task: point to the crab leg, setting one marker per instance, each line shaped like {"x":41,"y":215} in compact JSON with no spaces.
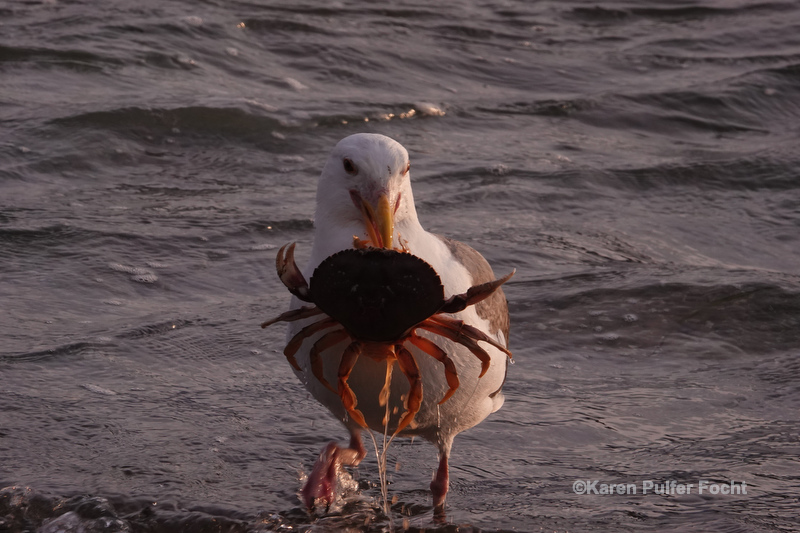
{"x":289,"y":273}
{"x":475,"y":294}
{"x":323,"y":343}
{"x":463,"y":329}
{"x":414,"y":399}
{"x":359,"y":244}
{"x":294,"y":314}
{"x":454,"y":335}
{"x":293,"y":345}
{"x":349,"y":358}
{"x":430,"y":348}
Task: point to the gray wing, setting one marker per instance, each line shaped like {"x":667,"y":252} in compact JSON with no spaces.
{"x":494,"y":309}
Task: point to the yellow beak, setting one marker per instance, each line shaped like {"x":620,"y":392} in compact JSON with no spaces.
{"x":379,"y":222}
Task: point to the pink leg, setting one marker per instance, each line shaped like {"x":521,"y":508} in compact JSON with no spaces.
{"x":441,"y":479}
{"x":440,"y":484}
{"x":320,"y":487}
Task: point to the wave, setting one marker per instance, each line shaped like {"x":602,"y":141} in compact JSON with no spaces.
{"x":79,"y":60}
{"x":69,"y":351}
{"x":199,"y":120}
{"x":622,"y":311}
{"x":674,"y":14}
{"x":23,"y":507}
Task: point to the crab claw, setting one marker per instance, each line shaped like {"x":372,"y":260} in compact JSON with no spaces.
{"x":475,"y":294}
{"x":289,"y":273}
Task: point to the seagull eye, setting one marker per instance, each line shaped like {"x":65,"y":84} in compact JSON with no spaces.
{"x":349,"y":166}
{"x":408,"y":167}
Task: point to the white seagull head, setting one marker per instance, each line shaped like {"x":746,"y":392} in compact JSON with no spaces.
{"x":365,"y":188}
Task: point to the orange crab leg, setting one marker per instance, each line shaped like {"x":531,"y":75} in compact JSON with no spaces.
{"x":326,"y":341}
{"x":475,"y":294}
{"x":294,"y":314}
{"x":430,"y":348}
{"x":465,"y":330}
{"x":293,"y":345}
{"x":349,"y":358}
{"x":359,"y":244}
{"x":471,"y":345}
{"x":414,"y":399}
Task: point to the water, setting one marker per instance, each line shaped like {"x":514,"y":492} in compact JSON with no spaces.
{"x":636,"y":162}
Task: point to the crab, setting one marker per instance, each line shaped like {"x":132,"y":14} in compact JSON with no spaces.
{"x":378,"y":299}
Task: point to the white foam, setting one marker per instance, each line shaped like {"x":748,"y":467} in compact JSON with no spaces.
{"x":98,"y":390}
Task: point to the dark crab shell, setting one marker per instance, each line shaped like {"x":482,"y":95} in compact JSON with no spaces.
{"x":376,"y":294}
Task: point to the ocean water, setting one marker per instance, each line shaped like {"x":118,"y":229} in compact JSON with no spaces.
{"x":636,"y":162}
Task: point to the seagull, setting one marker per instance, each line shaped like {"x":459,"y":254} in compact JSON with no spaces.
{"x":364,"y":196}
